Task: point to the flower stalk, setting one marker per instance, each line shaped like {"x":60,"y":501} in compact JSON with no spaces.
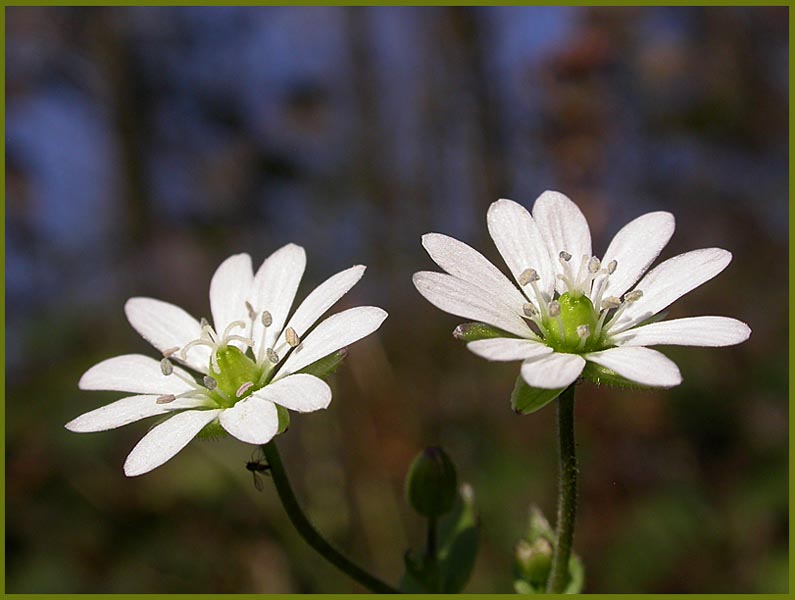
{"x":308,"y":531}
{"x":567,"y":494}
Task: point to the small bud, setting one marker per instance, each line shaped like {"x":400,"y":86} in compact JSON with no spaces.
{"x":267,"y":318}
{"x":431,"y":483}
{"x":612,"y":266}
{"x":534,"y":560}
{"x":166,"y":368}
{"x":554,"y":308}
{"x":527,"y":276}
{"x":594,"y":264}
{"x":633,"y":296}
{"x":166,"y":399}
{"x":210,"y":383}
{"x":564,"y":255}
{"x":272,"y":356}
{"x":291,"y":337}
{"x":610,"y":302}
{"x":529,"y":309}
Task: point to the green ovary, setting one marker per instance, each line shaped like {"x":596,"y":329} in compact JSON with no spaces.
{"x":574,"y":312}
{"x":236,"y":370}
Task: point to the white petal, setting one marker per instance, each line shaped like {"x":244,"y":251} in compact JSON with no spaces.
{"x":552,"y":371}
{"x":563,"y":227}
{"x":642,"y":365}
{"x":166,"y":439}
{"x":229,"y":290}
{"x":274,"y":288}
{"x":464,"y":262}
{"x":519,"y":242}
{"x":133,"y":373}
{"x":463,"y":299}
{"x":507,"y":349}
{"x":670,"y":280}
{"x":321,"y":299}
{"x":167,"y":326}
{"x":253,"y":420}
{"x":127,"y":410}
{"x":691,"y":331}
{"x":333,"y":333}
{"x":300,"y":392}
{"x":635,"y":247}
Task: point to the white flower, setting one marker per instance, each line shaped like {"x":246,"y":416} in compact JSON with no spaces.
{"x":248,"y":365}
{"x":573,"y":315}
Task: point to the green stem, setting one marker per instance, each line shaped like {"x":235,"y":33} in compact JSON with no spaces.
{"x":309,"y":533}
{"x":431,"y":555}
{"x":567,"y":497}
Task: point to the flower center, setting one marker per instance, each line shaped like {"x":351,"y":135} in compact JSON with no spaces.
{"x":576,"y":321}
{"x":234,"y":374}
{"x":237,"y":374}
{"x":571,"y":322}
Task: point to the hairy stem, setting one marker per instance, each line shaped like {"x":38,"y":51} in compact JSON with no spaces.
{"x":567,"y":496}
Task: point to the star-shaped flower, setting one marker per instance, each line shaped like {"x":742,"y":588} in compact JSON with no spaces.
{"x":572,"y":314}
{"x":251,"y":366}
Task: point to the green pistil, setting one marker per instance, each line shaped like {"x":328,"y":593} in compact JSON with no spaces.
{"x":577,"y":315}
{"x":236,"y":370}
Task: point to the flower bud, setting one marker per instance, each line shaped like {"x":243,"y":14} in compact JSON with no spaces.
{"x":534,"y":560}
{"x":431,"y":483}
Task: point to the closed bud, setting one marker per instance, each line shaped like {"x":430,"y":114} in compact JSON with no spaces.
{"x":534,"y":560}
{"x":431,"y":483}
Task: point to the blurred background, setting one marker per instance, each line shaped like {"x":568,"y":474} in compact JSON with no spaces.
{"x":144,"y":145}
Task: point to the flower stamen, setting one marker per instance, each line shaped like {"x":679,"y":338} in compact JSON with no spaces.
{"x":629,"y":298}
{"x":531,"y":276}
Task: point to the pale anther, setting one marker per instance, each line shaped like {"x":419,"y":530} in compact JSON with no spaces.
{"x":204,"y":323}
{"x":527,"y":276}
{"x":272,"y":356}
{"x":633,"y":296}
{"x":594,"y":264}
{"x":267,"y":318}
{"x":610,"y":302}
{"x":252,"y":314}
{"x":612,"y":266}
{"x":244,"y":387}
{"x":529,"y":309}
{"x":564,"y":256}
{"x":291,"y":337}
{"x":583,"y":331}
{"x":166,"y":368}
{"x":554,"y":308}
{"x":210,"y":383}
{"x":166,"y":399}
{"x":169,"y":351}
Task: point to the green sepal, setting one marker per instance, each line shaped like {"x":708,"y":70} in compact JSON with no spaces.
{"x":327,"y":365}
{"x":576,"y":575}
{"x":526,"y":399}
{"x":600,"y":375}
{"x":471,"y":332}
{"x":459,"y":537}
{"x":284,"y":419}
{"x":212,"y":431}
